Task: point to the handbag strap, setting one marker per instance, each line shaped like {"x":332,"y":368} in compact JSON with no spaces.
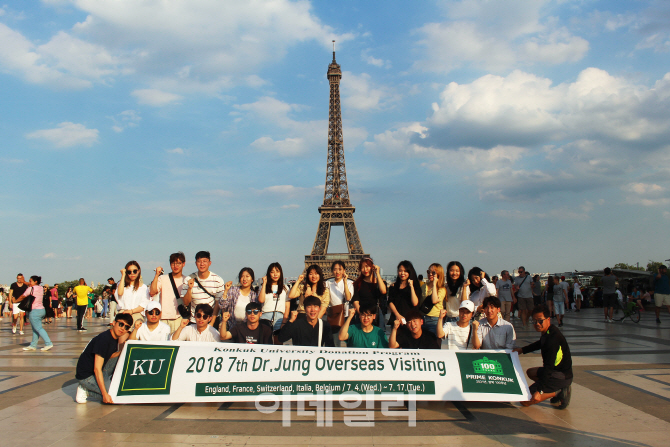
{"x":174,"y":286}
{"x":320,"y":331}
{"x":467,"y":342}
{"x":206,"y":291}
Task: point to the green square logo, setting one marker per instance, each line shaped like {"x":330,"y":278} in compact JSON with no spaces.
{"x":147,"y":370}
{"x":488,"y":373}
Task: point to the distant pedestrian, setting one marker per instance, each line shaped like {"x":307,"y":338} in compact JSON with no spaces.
{"x":577,"y":293}
{"x":609,"y":294}
{"x":37,"y":313}
{"x":661,"y":291}
{"x":560,"y":301}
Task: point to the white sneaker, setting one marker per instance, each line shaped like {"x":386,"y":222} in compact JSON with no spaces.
{"x":47,"y":347}
{"x":82,"y":395}
{"x":29,"y":348}
{"x":13,"y":329}
{"x":21,"y":332}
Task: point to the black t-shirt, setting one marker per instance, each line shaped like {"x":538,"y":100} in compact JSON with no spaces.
{"x":428,"y":340}
{"x":103,"y":345}
{"x":368,"y":294}
{"x":261,"y":335}
{"x":304,"y":334}
{"x":18,"y":290}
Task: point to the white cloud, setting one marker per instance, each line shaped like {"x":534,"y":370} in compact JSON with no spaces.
{"x":156,"y":98}
{"x":125,"y":119}
{"x":49,"y":256}
{"x":291,"y":206}
{"x":67,"y":135}
{"x":176,"y":150}
{"x":371,"y":60}
{"x":215,"y":192}
{"x":359,"y":92}
{"x":497,"y":36}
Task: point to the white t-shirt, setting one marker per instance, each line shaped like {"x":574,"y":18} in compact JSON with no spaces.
{"x":273,"y":301}
{"x":160,"y":333}
{"x":487,"y":289}
{"x":191,"y":333}
{"x":214,"y":285}
{"x":168,"y":301}
{"x":240,"y":307}
{"x":132,"y":298}
{"x":337,"y":296}
{"x":457,"y":336}
{"x":577,"y":290}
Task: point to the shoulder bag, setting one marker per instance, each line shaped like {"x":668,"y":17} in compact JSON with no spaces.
{"x":26,"y":304}
{"x":184,"y":311}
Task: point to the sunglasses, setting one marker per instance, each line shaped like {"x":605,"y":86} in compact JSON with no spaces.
{"x":132,"y":272}
{"x":253,"y":311}
{"x":154,"y":312}
{"x":122,"y":325}
{"x":202,"y":316}
{"x":540,"y":321}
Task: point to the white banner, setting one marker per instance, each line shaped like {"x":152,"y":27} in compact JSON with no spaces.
{"x":175,"y":372}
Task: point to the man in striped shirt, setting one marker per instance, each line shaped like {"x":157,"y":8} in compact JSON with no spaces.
{"x":204,"y":287}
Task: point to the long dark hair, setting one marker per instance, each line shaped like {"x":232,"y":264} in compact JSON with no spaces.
{"x":452,"y":285}
{"x":412,"y":275}
{"x":280,"y":281}
{"x":321,"y":284}
{"x":476,"y":271}
{"x":359,"y":280}
{"x":126,"y":279}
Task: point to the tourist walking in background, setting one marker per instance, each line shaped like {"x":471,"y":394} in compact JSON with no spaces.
{"x":69,"y":302}
{"x":523,"y":292}
{"x":405,"y":293}
{"x":661,"y":291}
{"x":537,"y":290}
{"x":609,"y":294}
{"x":577,"y":294}
{"x":505,"y":294}
{"x":549,"y":294}
{"x":81,"y":292}
{"x":55,"y":302}
{"x":37,"y":313}
{"x":16,"y":289}
{"x":560,"y":300}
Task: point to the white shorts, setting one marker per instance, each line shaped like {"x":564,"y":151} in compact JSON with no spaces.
{"x":15,"y":309}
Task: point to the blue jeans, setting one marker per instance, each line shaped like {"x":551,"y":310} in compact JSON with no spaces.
{"x":430,"y":324}
{"x":92,"y":385}
{"x":559,"y":307}
{"x":35,"y":318}
{"x":104,"y":308}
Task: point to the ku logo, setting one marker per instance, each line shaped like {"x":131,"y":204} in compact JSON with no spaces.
{"x":140,"y":364}
{"x":147,"y":369}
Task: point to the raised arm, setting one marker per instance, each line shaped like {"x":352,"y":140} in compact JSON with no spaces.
{"x":393,"y":344}
{"x":153,"y":288}
{"x":344,"y":330}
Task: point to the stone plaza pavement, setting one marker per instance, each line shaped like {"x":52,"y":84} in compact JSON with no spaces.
{"x":621,"y":397}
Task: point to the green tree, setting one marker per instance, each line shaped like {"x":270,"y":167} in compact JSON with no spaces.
{"x":624,"y":266}
{"x":652,"y":266}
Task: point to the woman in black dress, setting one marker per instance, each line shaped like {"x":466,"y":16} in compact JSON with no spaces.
{"x":405,"y":294}
{"x":369,"y":288}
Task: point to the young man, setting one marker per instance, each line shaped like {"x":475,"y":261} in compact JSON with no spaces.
{"x":96,"y":364}
{"x":203,"y":286}
{"x":15,"y":291}
{"x":494,"y":332}
{"x":154,"y":329}
{"x":309,"y":330}
{"x":250,"y":331}
{"x":112,"y":299}
{"x":169,"y":287}
{"x":412,"y":336}
{"x":202,"y":330}
{"x":553,"y":380}
{"x":609,"y":294}
{"x":459,"y":334}
{"x":523,"y":292}
{"x":505,"y":294}
{"x":363,"y":334}
{"x":661,"y":291}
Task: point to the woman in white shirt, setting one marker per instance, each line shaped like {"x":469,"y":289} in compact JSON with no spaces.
{"x":457,"y":291}
{"x":131,"y":294}
{"x":272,"y":295}
{"x":480,"y":287}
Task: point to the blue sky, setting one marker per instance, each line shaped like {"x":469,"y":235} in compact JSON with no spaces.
{"x":497,"y":133}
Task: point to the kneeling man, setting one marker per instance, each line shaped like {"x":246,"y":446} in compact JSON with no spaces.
{"x":554,"y":377}
{"x":365,"y":334}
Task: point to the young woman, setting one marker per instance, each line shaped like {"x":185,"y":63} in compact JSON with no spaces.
{"x":37,"y":312}
{"x":132,"y":294}
{"x":273,"y":294}
{"x":311,"y":284}
{"x":480,"y":286}
{"x":405,"y":293}
{"x":549,"y":295}
{"x":69,"y":302}
{"x":236,"y":298}
{"x":435,"y":294}
{"x":369,"y":288}
{"x":457,"y":290}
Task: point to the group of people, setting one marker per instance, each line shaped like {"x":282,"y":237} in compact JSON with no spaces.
{"x":318,"y":312}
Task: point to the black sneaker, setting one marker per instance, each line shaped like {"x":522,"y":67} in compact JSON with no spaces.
{"x":564,"y":400}
{"x":658,"y":321}
{"x":557,"y":398}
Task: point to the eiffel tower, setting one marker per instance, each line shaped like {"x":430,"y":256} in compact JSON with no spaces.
{"x":336,"y":210}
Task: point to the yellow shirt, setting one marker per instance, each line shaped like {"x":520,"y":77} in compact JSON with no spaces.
{"x":437,"y":307}
{"x":82,"y":294}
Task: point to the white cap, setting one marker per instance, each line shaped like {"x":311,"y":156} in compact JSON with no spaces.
{"x":467,"y":304}
{"x":153,"y":305}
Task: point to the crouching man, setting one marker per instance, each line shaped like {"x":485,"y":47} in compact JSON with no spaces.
{"x":96,"y":364}
{"x":554,"y":378}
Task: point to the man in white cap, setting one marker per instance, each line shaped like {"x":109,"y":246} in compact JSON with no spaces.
{"x":154,"y":329}
{"x":459,"y":334}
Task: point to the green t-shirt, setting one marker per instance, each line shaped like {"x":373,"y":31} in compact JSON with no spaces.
{"x":359,"y":339}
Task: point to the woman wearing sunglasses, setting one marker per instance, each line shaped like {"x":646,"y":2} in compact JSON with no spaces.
{"x":131,"y":294}
{"x":235,"y":298}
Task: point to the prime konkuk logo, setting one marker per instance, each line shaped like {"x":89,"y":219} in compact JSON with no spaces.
{"x":147,"y":370}
{"x":488,"y":373}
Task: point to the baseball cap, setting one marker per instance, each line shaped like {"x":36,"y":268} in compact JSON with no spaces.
{"x":153,"y":305}
{"x":467,"y":304}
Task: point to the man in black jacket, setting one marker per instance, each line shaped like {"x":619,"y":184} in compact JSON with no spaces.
{"x":309,"y":330}
{"x":554,"y":378}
